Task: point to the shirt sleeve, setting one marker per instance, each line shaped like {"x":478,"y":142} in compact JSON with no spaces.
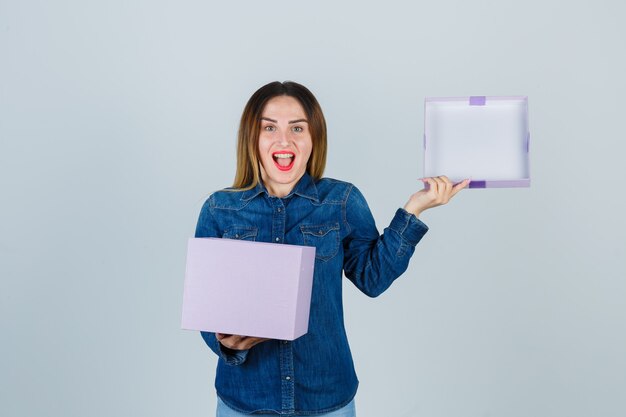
{"x":208,"y":227}
{"x":373,"y":261}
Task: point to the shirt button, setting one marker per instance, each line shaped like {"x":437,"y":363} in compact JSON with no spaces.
{"x":288,"y":378}
{"x":277,"y":239}
{"x":236,"y":235}
{"x":279,"y":209}
{"x":285,"y":342}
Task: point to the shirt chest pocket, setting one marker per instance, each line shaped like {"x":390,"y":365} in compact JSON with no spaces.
{"x":325,"y":239}
{"x":241,"y":233}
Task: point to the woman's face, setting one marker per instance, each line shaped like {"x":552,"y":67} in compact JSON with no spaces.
{"x":285,"y":144}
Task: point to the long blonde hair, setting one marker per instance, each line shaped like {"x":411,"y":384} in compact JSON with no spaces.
{"x":248,"y":173}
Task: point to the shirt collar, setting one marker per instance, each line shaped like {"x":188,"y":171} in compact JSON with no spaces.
{"x":304,"y":188}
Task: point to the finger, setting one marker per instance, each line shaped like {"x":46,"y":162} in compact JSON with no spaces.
{"x":441,"y":185}
{"x":439,"y":180}
{"x":432,"y":184}
{"x":458,"y":187}
{"x":447,"y":185}
{"x":253,"y":341}
{"x":467,"y":180}
{"x":244,"y":343}
{"x":224,"y":339}
{"x":239,"y":343}
{"x":445,"y":179}
{"x":231,"y":341}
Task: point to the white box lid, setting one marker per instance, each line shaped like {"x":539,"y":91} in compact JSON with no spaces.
{"x":485,"y":138}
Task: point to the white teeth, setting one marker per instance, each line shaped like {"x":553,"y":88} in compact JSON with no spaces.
{"x":283,"y":155}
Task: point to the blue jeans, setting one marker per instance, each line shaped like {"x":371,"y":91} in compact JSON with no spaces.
{"x":224,"y":411}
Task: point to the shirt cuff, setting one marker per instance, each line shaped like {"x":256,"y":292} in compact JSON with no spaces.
{"x":409,"y":227}
{"x":232,"y":356}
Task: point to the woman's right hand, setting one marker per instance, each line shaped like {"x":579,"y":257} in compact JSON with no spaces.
{"x":236,"y":342}
{"x":438,"y":191}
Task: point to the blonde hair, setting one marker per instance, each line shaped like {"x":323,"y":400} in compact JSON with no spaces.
{"x":248,"y":173}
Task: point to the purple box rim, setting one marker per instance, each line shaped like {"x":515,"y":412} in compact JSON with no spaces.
{"x":467,"y":98}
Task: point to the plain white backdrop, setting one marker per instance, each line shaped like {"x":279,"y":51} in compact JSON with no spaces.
{"x":118,"y":118}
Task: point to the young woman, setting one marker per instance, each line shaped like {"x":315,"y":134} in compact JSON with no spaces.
{"x":279,"y":196}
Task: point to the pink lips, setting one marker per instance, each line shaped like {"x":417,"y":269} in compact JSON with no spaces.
{"x":280,"y":167}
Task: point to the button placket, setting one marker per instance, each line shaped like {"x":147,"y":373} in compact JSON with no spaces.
{"x":278,"y":220}
{"x":286,"y":372}
{"x":286,"y":351}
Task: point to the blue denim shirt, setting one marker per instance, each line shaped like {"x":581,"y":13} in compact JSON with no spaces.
{"x":314,"y":374}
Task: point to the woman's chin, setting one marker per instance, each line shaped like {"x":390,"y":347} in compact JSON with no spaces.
{"x":283,"y":178}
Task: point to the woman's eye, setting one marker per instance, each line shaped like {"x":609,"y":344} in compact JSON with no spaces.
{"x":297,"y":129}
{"x":269,"y":128}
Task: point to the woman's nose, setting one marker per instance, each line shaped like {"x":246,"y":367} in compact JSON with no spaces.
{"x":283,"y":138}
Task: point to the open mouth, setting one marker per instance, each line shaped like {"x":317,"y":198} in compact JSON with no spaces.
{"x":283,"y":160}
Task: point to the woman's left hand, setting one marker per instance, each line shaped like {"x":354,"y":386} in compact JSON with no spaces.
{"x":438,"y":191}
{"x":236,"y":342}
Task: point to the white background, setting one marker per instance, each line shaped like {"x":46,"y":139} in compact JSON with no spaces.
{"x":118,"y":118}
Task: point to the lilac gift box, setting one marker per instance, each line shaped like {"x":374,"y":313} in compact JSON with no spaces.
{"x":485,"y":138}
{"x":248,"y":288}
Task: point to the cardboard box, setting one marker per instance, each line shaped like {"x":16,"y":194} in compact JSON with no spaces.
{"x":248,"y":288}
{"x":484,"y":138}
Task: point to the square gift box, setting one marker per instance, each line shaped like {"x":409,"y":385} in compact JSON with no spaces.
{"x":485,"y":138}
{"x":248,"y":288}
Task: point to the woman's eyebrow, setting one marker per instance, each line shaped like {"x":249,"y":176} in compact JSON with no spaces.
{"x":290,"y":122}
